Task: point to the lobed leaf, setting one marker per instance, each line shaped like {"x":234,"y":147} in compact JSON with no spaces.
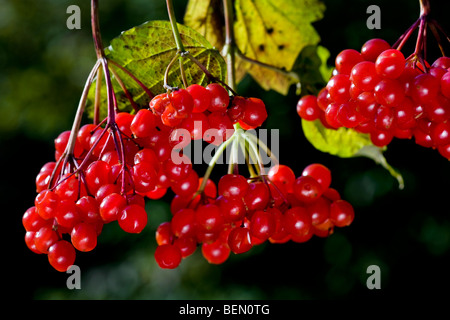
{"x":145,"y":51}
{"x":268,"y":31}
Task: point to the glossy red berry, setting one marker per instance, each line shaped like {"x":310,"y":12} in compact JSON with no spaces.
{"x":133,"y":218}
{"x":168,"y":256}
{"x":341,"y":213}
{"x":61,"y":255}
{"x":239,"y":240}
{"x":84,"y":236}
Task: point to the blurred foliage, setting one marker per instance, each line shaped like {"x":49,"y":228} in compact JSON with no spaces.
{"x":405,"y":232}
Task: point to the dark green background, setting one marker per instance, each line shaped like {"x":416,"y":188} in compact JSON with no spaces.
{"x":43,"y":67}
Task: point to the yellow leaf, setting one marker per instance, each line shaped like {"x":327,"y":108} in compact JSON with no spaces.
{"x":274,"y":32}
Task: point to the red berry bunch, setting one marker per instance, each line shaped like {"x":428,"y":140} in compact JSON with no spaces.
{"x":207,"y":113}
{"x":240,"y":213}
{"x":379,"y":92}
{"x":103,"y":174}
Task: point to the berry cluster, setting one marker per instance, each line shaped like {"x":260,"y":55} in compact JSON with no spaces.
{"x":277,"y":208}
{"x":103,"y":173}
{"x":379,"y":92}
{"x":199,"y":109}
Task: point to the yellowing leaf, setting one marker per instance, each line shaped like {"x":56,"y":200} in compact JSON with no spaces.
{"x":346,"y":143}
{"x":206,"y":17}
{"x":274,"y":33}
{"x":270,"y":31}
{"x":146,"y":50}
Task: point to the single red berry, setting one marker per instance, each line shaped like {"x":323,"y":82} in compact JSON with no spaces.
{"x":181,"y":100}
{"x":61,"y":255}
{"x":320,"y":173}
{"x":307,"y":108}
{"x":32,"y":221}
{"x":341,"y":213}
{"x":168,"y":256}
{"x":133,"y":219}
{"x":346,"y":60}
{"x":372,"y":48}
{"x":201,"y":97}
{"x":111,"y":206}
{"x":45,"y":237}
{"x":254,"y":112}
{"x":390,"y":64}
{"x":187,"y":246}
{"x":143,"y":123}
{"x":297,"y":221}
{"x":219,"y":97}
{"x":208,"y":218}
{"x":282,"y":176}
{"x":216,"y":252}
{"x":262,"y":225}
{"x":164,"y":234}
{"x":239,"y":240}
{"x":257,"y":196}
{"x":307,"y":189}
{"x":233,"y":186}
{"x":84,"y":236}
{"x":183,"y":223}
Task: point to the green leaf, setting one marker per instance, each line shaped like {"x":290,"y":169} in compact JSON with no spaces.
{"x":347,"y":143}
{"x":312,"y":67}
{"x":274,"y":33}
{"x":145,"y":51}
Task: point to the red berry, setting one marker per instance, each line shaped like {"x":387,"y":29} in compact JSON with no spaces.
{"x":282,"y":176}
{"x":373,"y":47}
{"x":32,"y":221}
{"x":182,"y":102}
{"x":143,"y":123}
{"x":390,"y":64}
{"x":262,"y":225}
{"x":320,"y":173}
{"x":168,"y":256}
{"x":346,"y":60}
{"x":61,"y":255}
{"x":84,"y":236}
{"x":307,"y":108}
{"x":341,"y":213}
{"x":201,"y":97}
{"x":307,"y":189}
{"x":164,"y":234}
{"x":208,"y":218}
{"x":44,"y":238}
{"x":297,"y":221}
{"x":133,"y":219}
{"x":219,"y":97}
{"x":239,"y":240}
{"x":216,"y":252}
{"x":233,"y":186}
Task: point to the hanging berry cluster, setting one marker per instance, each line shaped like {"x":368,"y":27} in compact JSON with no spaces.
{"x":113,"y":169}
{"x":247,"y":213}
{"x":377,"y":91}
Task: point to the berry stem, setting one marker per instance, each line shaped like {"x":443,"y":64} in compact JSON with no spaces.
{"x":125,"y":90}
{"x":173,"y":23}
{"x":212,"y":163}
{"x":166,"y":73}
{"x":229,"y":49}
{"x":208,"y":74}
{"x":98,"y":93}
